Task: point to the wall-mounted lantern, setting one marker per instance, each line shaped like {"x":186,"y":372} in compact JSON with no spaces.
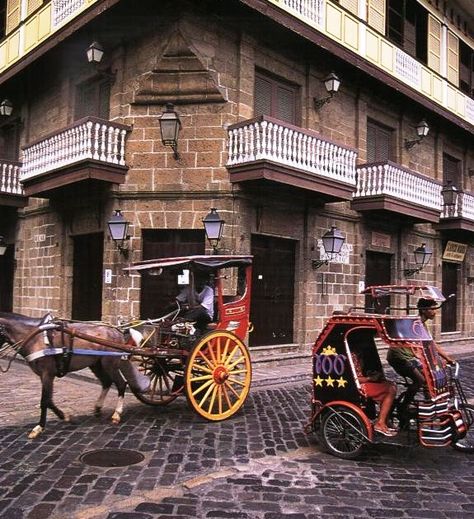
{"x":6,"y":108}
{"x":213,"y":225}
{"x":422,"y":258}
{"x":118,"y":229}
{"x":95,"y":52}
{"x":422,"y":130}
{"x":333,"y":241}
{"x":3,"y":246}
{"x":332,"y":84}
{"x":170,"y":125}
{"x":449,"y":194}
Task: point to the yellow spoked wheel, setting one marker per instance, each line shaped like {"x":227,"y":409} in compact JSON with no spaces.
{"x":166,"y":379}
{"x":218,"y":375}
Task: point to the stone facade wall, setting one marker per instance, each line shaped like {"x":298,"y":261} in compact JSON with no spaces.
{"x":162,"y":193}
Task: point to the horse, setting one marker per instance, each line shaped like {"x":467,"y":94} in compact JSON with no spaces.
{"x":54,"y":347}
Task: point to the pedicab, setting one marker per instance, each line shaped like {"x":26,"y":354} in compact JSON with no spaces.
{"x":212,"y":366}
{"x":343,"y":417}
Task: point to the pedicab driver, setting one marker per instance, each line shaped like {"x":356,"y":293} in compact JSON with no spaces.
{"x":403,"y":360}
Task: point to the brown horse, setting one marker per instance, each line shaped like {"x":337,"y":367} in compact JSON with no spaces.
{"x":53,"y":348}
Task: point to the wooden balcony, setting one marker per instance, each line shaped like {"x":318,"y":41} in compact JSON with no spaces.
{"x":460,"y":217}
{"x":266,"y":151}
{"x":11,"y":191}
{"x":387,"y":187}
{"x":91,"y":150}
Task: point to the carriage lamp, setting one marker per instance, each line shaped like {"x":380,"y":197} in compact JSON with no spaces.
{"x":332,"y":84}
{"x":333,"y":241}
{"x":170,"y":125}
{"x":3,"y":246}
{"x":95,"y":52}
{"x":422,"y":130}
{"x":449,"y":194}
{"x":6,"y":108}
{"x":213,"y":225}
{"x":118,"y":228}
{"x":422,"y":258}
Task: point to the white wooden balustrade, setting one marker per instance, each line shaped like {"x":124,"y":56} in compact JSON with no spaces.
{"x":464,"y":207}
{"x":88,"y":138}
{"x":265,"y":138}
{"x":310,"y":9}
{"x":10,"y":178}
{"x":62,"y":9}
{"x":393,"y":180}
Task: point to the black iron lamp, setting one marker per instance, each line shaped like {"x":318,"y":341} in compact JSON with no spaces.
{"x":449,"y":194}
{"x":422,"y":130}
{"x":422,"y":258}
{"x":3,"y":246}
{"x":213,"y":225}
{"x":95,"y":52}
{"x":6,"y":108}
{"x":170,"y":125}
{"x":118,"y":228}
{"x":333,"y":241}
{"x":332,"y":84}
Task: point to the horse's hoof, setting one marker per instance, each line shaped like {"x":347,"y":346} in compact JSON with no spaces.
{"x":98,"y":412}
{"x":67,"y":417}
{"x":35,"y":432}
{"x":115,"y":418}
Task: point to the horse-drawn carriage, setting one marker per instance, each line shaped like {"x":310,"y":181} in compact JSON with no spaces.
{"x":210,"y":366}
{"x":343,"y":416}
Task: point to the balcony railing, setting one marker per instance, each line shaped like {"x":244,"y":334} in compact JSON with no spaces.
{"x":87,"y":139}
{"x":393,"y":180}
{"x":10,"y":178}
{"x":464,"y":208}
{"x":268,"y":139}
{"x":62,"y":9}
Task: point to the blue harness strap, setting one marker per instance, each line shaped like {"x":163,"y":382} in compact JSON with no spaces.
{"x":75,"y":351}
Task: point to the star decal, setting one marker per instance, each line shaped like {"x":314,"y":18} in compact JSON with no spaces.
{"x":330,"y":381}
{"x":341,"y":382}
{"x":329,"y":350}
{"x":318,"y":381}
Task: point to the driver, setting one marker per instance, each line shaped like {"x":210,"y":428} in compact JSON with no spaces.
{"x":404,"y":361}
{"x":198,"y":305}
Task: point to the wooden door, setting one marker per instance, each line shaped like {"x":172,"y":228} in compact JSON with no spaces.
{"x":87,"y":277}
{"x":157,"y":292}
{"x":449,"y":286}
{"x":7,"y":264}
{"x":273,"y":283}
{"x":377,"y":272}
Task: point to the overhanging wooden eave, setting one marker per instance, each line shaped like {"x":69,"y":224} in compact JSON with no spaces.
{"x":44,"y":185}
{"x":284,"y":175}
{"x":13,"y":200}
{"x":455,"y":224}
{"x":394,"y":205}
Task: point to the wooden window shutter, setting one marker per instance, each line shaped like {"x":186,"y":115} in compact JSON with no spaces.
{"x":13,"y":15}
{"x":285,"y":109}
{"x":263,"y":96}
{"x":434,"y":44}
{"x":453,"y":59}
{"x":379,"y":142}
{"x":350,"y":5}
{"x":32,"y":5}
{"x":376,"y":14}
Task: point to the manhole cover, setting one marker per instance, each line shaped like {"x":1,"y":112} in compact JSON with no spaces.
{"x":112,"y":458}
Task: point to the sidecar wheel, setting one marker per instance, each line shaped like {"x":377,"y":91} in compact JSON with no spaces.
{"x":342,"y":433}
{"x":466,"y":444}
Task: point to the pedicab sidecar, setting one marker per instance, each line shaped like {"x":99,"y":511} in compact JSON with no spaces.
{"x":211,"y":366}
{"x":343,"y":417}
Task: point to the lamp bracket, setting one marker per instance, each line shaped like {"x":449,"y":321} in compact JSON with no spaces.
{"x":409,"y":144}
{"x":319,"y":103}
{"x":316,"y":264}
{"x":410,"y":272}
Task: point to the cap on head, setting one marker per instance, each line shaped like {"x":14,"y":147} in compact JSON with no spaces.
{"x":424,"y":303}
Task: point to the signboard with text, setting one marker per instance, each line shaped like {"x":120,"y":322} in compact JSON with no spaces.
{"x":455,"y":251}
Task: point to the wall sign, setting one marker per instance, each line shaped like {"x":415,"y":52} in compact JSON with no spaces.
{"x":455,"y":251}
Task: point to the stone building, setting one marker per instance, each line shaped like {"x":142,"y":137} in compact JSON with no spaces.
{"x":262,"y":140}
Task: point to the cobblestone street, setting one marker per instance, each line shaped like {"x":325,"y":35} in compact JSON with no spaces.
{"x":258,"y":464}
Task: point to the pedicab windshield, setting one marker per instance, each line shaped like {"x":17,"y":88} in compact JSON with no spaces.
{"x":405,"y":329}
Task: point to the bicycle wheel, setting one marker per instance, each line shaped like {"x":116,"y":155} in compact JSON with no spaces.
{"x":342,"y":433}
{"x":466,"y":444}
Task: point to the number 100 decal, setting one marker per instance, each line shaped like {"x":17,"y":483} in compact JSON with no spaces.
{"x":329,"y":364}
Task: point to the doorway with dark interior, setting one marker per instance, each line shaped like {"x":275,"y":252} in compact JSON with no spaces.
{"x":272,"y":307}
{"x":87,"y":277}
{"x":450,"y":273}
{"x":7,"y":268}
{"x":378,"y":271}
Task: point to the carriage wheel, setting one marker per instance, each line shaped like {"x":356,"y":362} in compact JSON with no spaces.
{"x":218,"y":375}
{"x":343,"y":433}
{"x":166,"y":377}
{"x":466,"y":444}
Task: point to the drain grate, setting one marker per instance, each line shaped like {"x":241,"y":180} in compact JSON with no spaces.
{"x":111,"y":457}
